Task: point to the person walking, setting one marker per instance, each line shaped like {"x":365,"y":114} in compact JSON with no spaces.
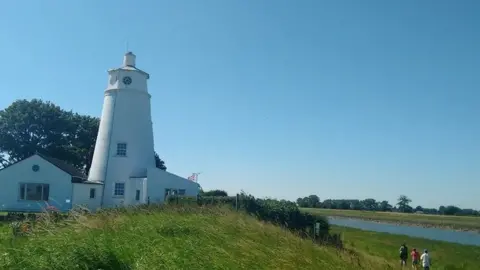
{"x":425,"y":258}
{"x":403,"y":255}
{"x":415,"y":258}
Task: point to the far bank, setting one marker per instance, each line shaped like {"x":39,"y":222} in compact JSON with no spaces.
{"x":458,"y":223}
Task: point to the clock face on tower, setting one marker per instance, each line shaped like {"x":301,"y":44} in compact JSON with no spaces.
{"x":127,"y":80}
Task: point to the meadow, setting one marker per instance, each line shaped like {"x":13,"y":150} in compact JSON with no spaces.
{"x":425,"y":220}
{"x":194,"y":237}
{"x":384,"y":245}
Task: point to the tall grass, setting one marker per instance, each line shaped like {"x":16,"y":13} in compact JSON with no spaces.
{"x":203,"y":234}
{"x":171,"y":237}
{"x":283,"y":213}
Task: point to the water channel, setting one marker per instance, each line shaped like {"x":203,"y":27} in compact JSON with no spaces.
{"x":465,"y":238}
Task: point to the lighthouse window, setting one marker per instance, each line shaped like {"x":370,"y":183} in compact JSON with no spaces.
{"x":119,"y":189}
{"x":121,"y":149}
{"x":92,"y":193}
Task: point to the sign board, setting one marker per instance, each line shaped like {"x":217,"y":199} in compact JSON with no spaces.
{"x":317,"y":228}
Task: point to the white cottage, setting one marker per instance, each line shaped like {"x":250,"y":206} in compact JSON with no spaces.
{"x":34,"y":183}
{"x":123,"y":170}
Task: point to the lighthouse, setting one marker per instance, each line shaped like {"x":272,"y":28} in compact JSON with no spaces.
{"x":124,"y":149}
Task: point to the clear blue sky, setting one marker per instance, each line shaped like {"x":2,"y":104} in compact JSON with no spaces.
{"x":343,"y":99}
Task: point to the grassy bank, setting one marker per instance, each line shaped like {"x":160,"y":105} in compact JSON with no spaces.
{"x":205,"y":238}
{"x":173,"y":238}
{"x":452,"y":222}
{"x":444,"y":255}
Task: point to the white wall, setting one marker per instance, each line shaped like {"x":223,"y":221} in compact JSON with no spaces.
{"x":159,"y":180}
{"x":132,"y":185}
{"x":81,"y":195}
{"x":60,"y":185}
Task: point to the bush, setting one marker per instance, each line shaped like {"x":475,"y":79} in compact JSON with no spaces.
{"x":283,"y":213}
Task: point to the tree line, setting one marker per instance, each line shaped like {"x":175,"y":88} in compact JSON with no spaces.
{"x":31,"y":126}
{"x":369,"y":204}
{"x":402,"y":205}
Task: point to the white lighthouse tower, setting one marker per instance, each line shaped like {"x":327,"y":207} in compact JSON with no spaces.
{"x":124,"y":150}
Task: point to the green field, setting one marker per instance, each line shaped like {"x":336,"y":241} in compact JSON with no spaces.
{"x":453,"y":222}
{"x":444,"y":255}
{"x":204,"y":238}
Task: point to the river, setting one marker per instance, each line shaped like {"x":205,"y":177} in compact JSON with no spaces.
{"x":465,"y":238}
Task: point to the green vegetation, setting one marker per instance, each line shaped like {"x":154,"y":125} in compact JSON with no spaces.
{"x":454,"y":222}
{"x":444,"y":255}
{"x":171,"y":238}
{"x":402,"y":206}
{"x":192,"y":237}
{"x":29,"y":126}
{"x":283,"y":213}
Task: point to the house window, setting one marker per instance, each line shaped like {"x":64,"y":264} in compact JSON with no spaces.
{"x":181,"y":192}
{"x":167,"y":192}
{"x":137,"y":195}
{"x":121,"y":149}
{"x":34,"y":192}
{"x":119,"y":189}
{"x":92,"y":193}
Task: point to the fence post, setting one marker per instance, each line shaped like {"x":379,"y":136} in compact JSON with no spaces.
{"x":236,"y":202}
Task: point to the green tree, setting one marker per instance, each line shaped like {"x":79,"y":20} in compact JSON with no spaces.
{"x":369,"y":204}
{"x":302,"y":202}
{"x":27,"y":127}
{"x":384,"y":206}
{"x":312,"y":201}
{"x":403,"y":204}
{"x":33,"y":126}
{"x":452,"y":210}
{"x":3,"y":161}
{"x":355,"y":205}
{"x":216,"y":193}
{"x":159,"y":163}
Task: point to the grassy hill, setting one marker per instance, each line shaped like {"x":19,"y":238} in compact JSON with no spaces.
{"x":192,"y":238}
{"x":174,"y":238}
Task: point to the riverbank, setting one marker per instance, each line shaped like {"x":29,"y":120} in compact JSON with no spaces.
{"x":457,"y":223}
{"x":384,"y":245}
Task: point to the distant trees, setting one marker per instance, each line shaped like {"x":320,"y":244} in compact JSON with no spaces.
{"x":450,"y":210}
{"x":403,"y":204}
{"x":370,"y":204}
{"x":312,"y":201}
{"x":384,"y":206}
{"x":214,"y":193}
{"x":30,"y":126}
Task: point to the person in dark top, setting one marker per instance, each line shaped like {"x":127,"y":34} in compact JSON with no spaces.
{"x":403,"y":255}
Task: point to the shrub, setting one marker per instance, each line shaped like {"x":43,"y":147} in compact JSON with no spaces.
{"x":280,"y":212}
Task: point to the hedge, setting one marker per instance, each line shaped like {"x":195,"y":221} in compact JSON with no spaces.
{"x":280,"y":212}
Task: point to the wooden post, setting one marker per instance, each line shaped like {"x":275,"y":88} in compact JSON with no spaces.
{"x":236,"y":202}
